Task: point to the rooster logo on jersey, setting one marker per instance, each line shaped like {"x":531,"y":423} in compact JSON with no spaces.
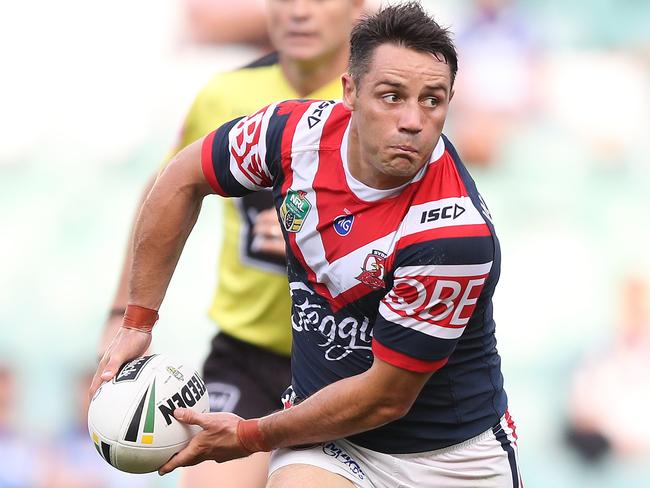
{"x":372,"y":272}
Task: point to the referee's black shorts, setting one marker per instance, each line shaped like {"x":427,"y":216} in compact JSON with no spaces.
{"x":244,"y":379}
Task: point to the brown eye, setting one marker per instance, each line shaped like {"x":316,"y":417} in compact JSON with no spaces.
{"x":430,"y":102}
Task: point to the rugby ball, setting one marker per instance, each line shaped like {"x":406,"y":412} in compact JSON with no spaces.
{"x":131,"y":418}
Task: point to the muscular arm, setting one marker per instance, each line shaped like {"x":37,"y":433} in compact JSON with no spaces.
{"x":165,"y":221}
{"x":120,"y":298}
{"x":380,"y":395}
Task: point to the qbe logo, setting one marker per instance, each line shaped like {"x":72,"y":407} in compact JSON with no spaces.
{"x":244,"y":148}
{"x":444,"y":300}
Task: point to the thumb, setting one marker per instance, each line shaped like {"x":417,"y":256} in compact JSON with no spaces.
{"x":189,"y":416}
{"x":110,"y":369}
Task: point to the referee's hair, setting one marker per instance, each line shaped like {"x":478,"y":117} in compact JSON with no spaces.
{"x":405,"y":25}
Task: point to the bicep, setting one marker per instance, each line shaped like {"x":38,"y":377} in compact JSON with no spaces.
{"x":185,"y":170}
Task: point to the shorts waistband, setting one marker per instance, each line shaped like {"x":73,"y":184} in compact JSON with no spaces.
{"x":488,"y":434}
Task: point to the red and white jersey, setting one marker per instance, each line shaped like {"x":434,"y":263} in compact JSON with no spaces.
{"x":405,"y":274}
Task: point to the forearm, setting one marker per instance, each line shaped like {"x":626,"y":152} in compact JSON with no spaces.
{"x":165,"y":221}
{"x":346,"y":407}
{"x":120,"y":298}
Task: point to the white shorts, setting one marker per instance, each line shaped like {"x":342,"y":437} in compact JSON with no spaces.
{"x":489,"y":460}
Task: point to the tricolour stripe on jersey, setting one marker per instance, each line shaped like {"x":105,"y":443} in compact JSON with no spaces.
{"x":305,"y":162}
{"x":215,"y":157}
{"x":302,"y":144}
{"x":404,"y":361}
{"x":208,"y":166}
{"x":348,"y":267}
{"x":332,"y":264}
{"x":427,"y":328}
{"x":449,"y":217}
{"x":446,"y":270}
{"x":297,"y":111}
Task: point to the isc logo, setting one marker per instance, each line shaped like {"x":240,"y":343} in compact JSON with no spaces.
{"x":448,"y":212}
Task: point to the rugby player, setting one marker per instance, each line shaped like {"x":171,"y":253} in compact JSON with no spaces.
{"x":392,"y":262}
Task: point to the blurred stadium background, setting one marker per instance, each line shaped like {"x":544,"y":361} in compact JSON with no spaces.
{"x":552,"y":113}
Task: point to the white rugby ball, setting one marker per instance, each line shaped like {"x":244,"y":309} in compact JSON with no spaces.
{"x":130,"y":418}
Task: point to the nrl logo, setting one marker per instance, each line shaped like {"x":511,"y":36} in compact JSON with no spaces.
{"x":294,"y":210}
{"x":372,"y":272}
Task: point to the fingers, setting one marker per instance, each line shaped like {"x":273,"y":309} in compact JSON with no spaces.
{"x":189,"y":416}
{"x":106,"y":370}
{"x":97,"y":381}
{"x":111,"y":368}
{"x":186,"y":457}
{"x":272,"y":246}
{"x":267,"y":234}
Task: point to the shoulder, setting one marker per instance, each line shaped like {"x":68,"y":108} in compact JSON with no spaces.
{"x":313,"y":124}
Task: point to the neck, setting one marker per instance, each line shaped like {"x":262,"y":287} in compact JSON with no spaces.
{"x":305,"y":77}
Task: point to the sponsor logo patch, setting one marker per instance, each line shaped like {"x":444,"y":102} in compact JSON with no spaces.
{"x":316,"y":116}
{"x":343,"y":224}
{"x":340,"y":335}
{"x":446,"y":300}
{"x":295,"y":208}
{"x":448,"y":212}
{"x":374,"y":267}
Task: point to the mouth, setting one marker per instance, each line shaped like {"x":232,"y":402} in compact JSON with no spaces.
{"x":404,"y":148}
{"x":300,"y":35}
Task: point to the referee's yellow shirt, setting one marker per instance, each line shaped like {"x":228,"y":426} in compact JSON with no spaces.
{"x":250,"y":303}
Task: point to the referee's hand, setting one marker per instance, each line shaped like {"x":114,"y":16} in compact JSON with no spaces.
{"x":267,"y":233}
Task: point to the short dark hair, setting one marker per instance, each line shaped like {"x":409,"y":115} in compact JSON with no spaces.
{"x":406,"y":25}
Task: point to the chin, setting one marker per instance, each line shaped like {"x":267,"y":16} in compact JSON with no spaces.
{"x":403,"y":167}
{"x":303,"y":53}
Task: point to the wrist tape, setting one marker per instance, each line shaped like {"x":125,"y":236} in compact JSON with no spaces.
{"x":250,"y":436}
{"x":139,"y":318}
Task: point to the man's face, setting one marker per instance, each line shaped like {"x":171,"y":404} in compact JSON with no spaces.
{"x":400,"y":106}
{"x":306,"y":30}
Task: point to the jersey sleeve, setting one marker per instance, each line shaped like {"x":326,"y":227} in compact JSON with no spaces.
{"x":243,"y":155}
{"x":433,"y":298}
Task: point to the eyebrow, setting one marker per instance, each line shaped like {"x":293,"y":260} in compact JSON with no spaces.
{"x":398,"y":85}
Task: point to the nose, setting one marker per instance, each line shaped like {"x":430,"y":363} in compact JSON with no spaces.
{"x":301,"y":9}
{"x":410,"y":119}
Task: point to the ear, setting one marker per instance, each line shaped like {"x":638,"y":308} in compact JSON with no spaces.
{"x":349,"y":91}
{"x":451,"y":95}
